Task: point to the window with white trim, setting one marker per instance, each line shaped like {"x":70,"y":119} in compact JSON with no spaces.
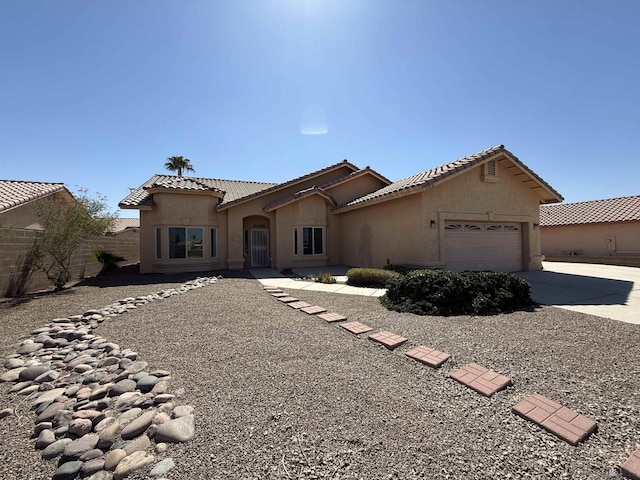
{"x":186,"y":242}
{"x":312,"y":239}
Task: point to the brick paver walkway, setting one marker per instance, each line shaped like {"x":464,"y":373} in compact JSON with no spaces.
{"x":332,"y":317}
{"x":481,"y":379}
{"x":555,"y":418}
{"x":388,"y":339}
{"x":429,"y":356}
{"x":298,"y":304}
{"x":313,"y":310}
{"x":631,"y":468}
{"x":356,"y":327}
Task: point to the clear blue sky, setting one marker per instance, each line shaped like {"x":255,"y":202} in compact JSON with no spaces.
{"x":97,"y":94}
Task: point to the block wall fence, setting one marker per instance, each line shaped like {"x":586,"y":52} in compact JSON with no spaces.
{"x":15,"y":244}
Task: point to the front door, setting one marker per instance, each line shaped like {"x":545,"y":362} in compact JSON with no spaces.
{"x":259,"y":247}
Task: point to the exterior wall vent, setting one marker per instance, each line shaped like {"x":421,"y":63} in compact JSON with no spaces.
{"x":490,"y":171}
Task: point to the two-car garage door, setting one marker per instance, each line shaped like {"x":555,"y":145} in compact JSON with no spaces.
{"x":483,"y":246}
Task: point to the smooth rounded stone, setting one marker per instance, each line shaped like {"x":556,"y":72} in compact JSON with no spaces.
{"x":178,"y":430}
{"x":123,"y":386}
{"x":42,"y":426}
{"x":127,"y":400}
{"x":31,"y":373}
{"x":91,"y":454}
{"x":139,"y":425}
{"x":130,"y":355}
{"x":110,"y":346}
{"x":79,"y":360}
{"x":50,"y":412}
{"x":68,"y":470}
{"x":162,"y":467}
{"x":20,"y":386}
{"x":56,"y":448}
{"x":181,"y":411}
{"x":61,"y":431}
{"x":144,"y":402}
{"x":29,"y":390}
{"x":109,"y":435}
{"x":91,"y":466}
{"x":101,"y":475}
{"x":161,"y":418}
{"x":125,"y":363}
{"x":72,"y":390}
{"x":161,"y":387}
{"x":151,"y":431}
{"x":108,"y":361}
{"x":146,"y":383}
{"x":12,"y":363}
{"x":113,"y":458}
{"x":160,"y":448}
{"x":62,"y":417}
{"x":12,"y":375}
{"x":83,"y":368}
{"x":163,"y":398}
{"x":104,"y":423}
{"x":119,"y":376}
{"x":161,"y":373}
{"x":45,"y":438}
{"x":80,"y":426}
{"x":94,"y":377}
{"x":6,"y":412}
{"x":132,"y":463}
{"x":100,"y":391}
{"x":28,"y":348}
{"x":137,"y":366}
{"x":48,"y":376}
{"x":129,"y":415}
{"x":50,"y":395}
{"x":167,"y":407}
{"x":84,"y":393}
{"x":139,"y":444}
{"x":93,"y":415}
{"x":81,"y":445}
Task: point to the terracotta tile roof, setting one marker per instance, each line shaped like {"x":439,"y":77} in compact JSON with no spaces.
{"x":438,"y":174}
{"x":289,"y":183}
{"x":623,"y":209}
{"x":233,"y":189}
{"x":16,"y":192}
{"x":122,"y":224}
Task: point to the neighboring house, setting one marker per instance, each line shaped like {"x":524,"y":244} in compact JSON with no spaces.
{"x":126,"y":228}
{"x":478,"y":212}
{"x":19,"y":201}
{"x":608,"y":227}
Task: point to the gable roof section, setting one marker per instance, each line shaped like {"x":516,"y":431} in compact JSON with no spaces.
{"x":442,"y":173}
{"x":281,"y":186}
{"x":121,"y":224}
{"x":14,"y":193}
{"x":623,"y":209}
{"x":140,"y":198}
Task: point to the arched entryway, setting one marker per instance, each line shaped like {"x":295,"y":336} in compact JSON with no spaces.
{"x":256,"y":241}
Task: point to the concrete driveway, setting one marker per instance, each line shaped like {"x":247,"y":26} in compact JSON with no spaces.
{"x":603,"y":290}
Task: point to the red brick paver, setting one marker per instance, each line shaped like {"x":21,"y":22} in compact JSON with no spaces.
{"x":388,"y":339}
{"x":563,"y":422}
{"x":356,"y":327}
{"x":332,"y":317}
{"x":429,"y":356}
{"x":270,"y":289}
{"x":287,"y":299}
{"x":299,"y":304}
{"x":313,"y":310}
{"x":631,"y":468}
{"x":279,"y":294}
{"x":481,"y":379}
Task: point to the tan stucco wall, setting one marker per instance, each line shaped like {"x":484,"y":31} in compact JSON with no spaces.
{"x":26,"y":215}
{"x":180,"y":210}
{"x":355,"y":188}
{"x":591,"y":239}
{"x":400,"y":230}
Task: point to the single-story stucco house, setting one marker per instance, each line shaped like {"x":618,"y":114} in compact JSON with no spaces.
{"x":478,"y":212}
{"x":20,"y":201}
{"x":597,"y":228}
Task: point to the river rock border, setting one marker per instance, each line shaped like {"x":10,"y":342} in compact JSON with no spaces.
{"x":99,"y":409}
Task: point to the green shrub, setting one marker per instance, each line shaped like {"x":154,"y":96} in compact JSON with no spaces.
{"x":437,"y":292}
{"x":108,"y":260}
{"x":402,"y":269}
{"x":369,"y":277}
{"x":325,"y":277}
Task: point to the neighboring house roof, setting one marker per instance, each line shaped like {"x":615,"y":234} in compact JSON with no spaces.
{"x":623,"y":209}
{"x":122,"y":224}
{"x":439,"y":174}
{"x":232,"y":189}
{"x":14,"y":193}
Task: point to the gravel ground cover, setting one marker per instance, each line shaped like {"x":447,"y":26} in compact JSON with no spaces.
{"x":281,"y":394}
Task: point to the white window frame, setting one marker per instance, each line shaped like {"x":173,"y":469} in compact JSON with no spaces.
{"x":300,"y":237}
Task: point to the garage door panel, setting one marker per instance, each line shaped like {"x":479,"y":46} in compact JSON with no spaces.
{"x":483,"y":246}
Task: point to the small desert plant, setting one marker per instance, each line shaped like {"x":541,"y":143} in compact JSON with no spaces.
{"x":326,"y":277}
{"x":108,"y":260}
{"x":369,"y":277}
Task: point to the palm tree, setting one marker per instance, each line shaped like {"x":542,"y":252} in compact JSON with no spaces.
{"x":178,"y":164}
